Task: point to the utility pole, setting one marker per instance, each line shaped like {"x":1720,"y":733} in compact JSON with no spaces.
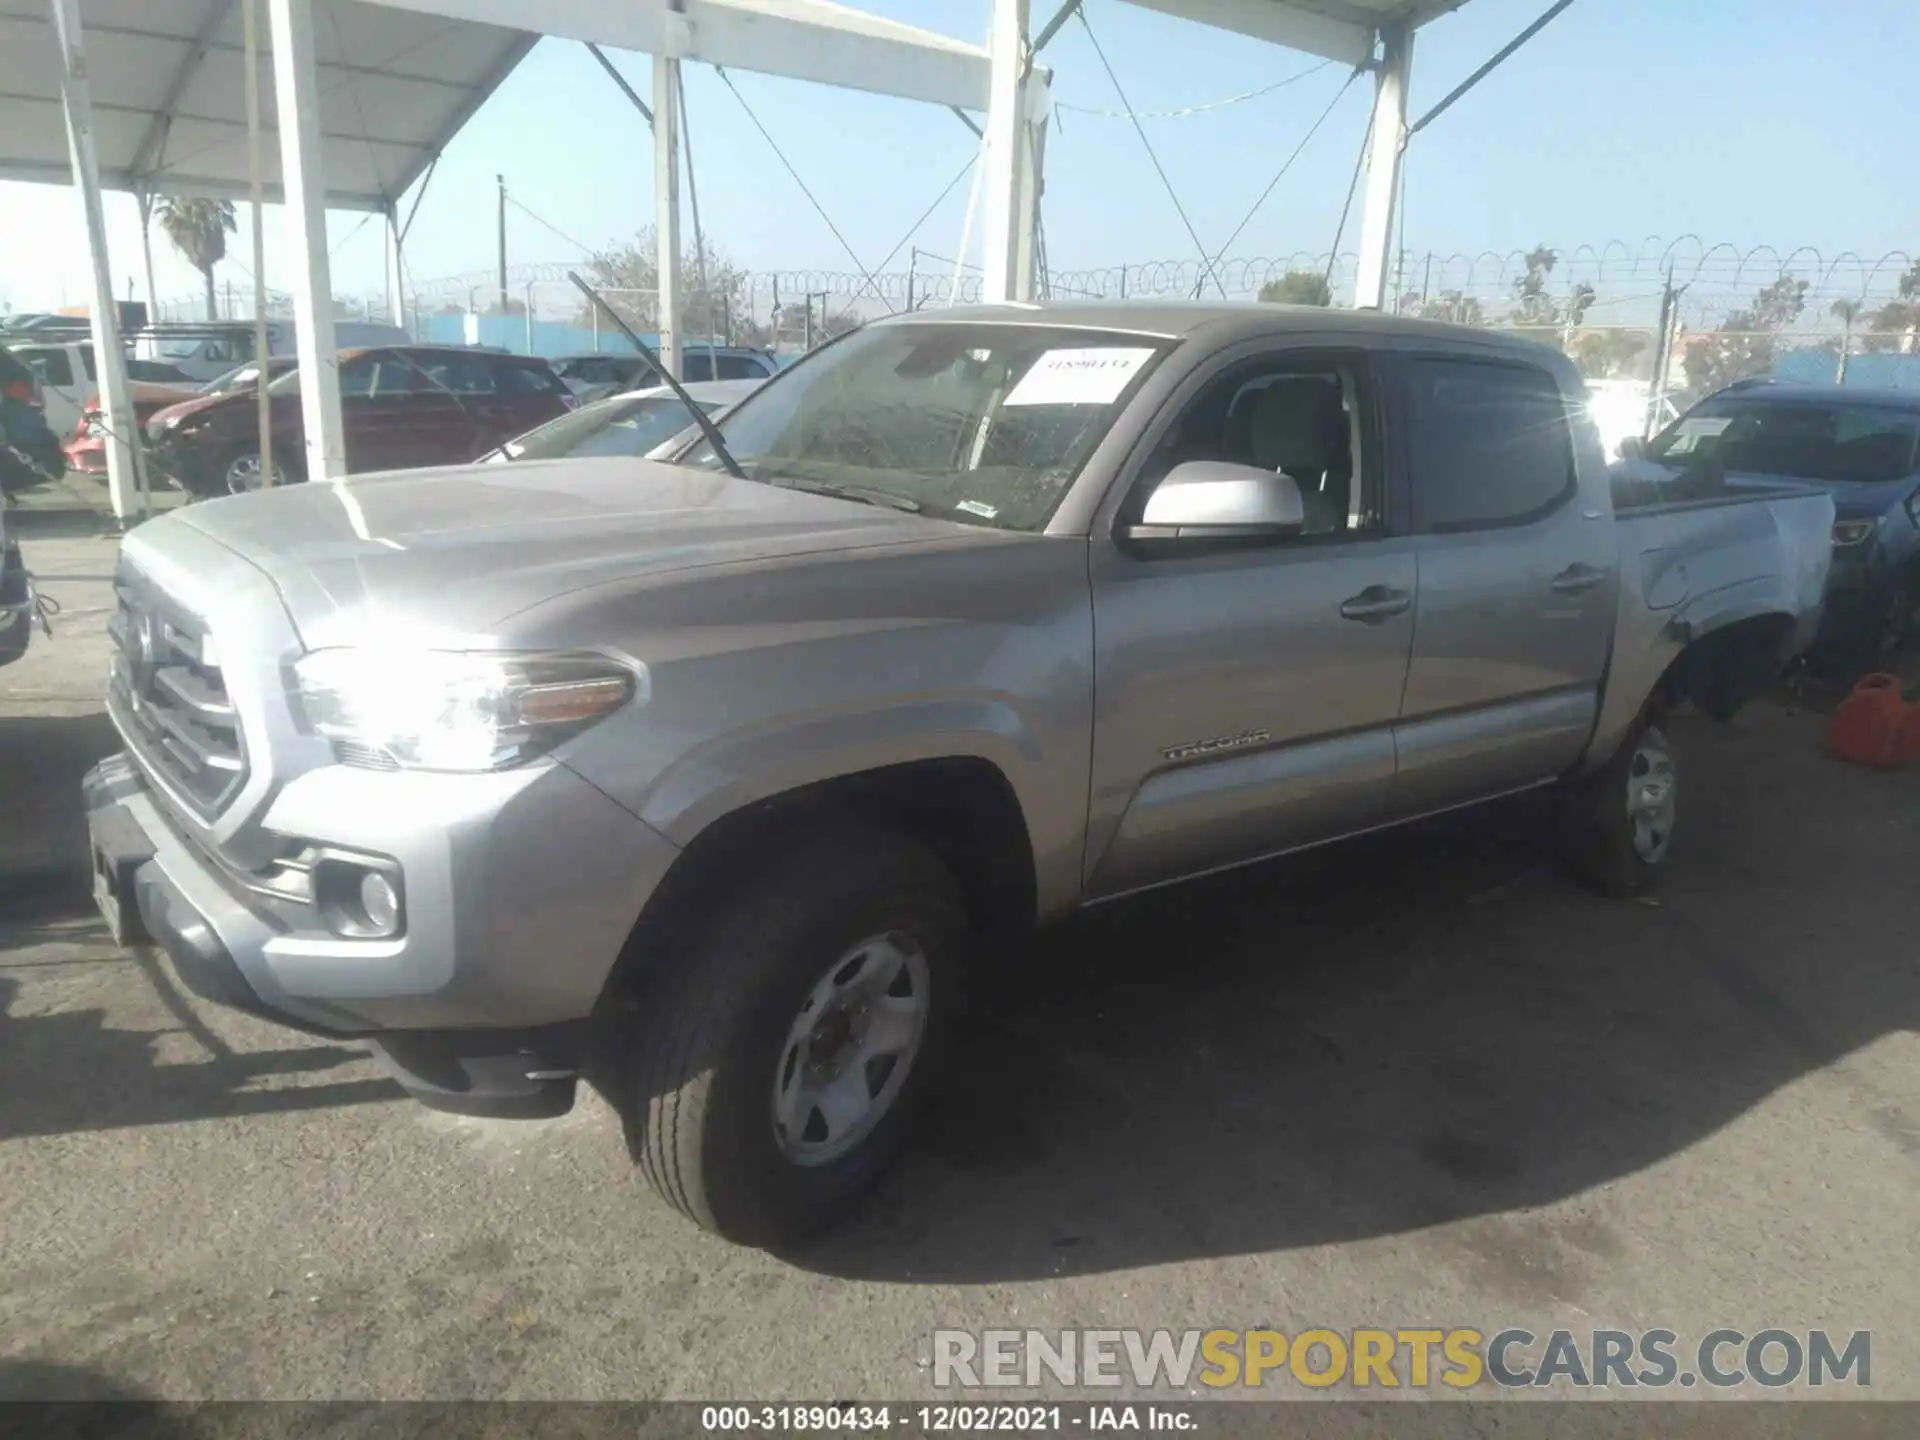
{"x":503,"y":242}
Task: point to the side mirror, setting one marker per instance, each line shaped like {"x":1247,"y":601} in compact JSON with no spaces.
{"x":1633,"y":448}
{"x":1216,"y":500}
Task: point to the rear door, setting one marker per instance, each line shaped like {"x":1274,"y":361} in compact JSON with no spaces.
{"x":395,"y":417}
{"x":1245,"y":698}
{"x":1518,"y":576}
{"x":64,"y":385}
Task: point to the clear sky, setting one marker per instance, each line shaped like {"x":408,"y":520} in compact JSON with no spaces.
{"x":1749,"y":121}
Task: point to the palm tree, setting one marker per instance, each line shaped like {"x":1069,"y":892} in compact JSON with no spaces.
{"x":198,"y":230}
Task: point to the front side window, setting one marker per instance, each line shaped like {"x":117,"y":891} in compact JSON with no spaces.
{"x":1490,"y":444}
{"x":1794,"y":439}
{"x":985,"y":424}
{"x":1290,"y":415}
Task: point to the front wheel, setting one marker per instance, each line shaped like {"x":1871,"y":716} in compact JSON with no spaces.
{"x":1617,"y":824}
{"x":244,"y":473}
{"x":778,"y":1066}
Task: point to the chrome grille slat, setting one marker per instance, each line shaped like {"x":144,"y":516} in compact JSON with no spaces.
{"x":169,"y":699}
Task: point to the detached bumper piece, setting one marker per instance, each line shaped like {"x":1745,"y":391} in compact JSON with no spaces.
{"x":525,"y":1074}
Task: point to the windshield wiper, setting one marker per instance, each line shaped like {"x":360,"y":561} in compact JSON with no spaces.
{"x":700,"y":416}
{"x":861,"y":493}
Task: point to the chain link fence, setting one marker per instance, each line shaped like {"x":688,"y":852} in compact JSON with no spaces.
{"x":1730,"y":314}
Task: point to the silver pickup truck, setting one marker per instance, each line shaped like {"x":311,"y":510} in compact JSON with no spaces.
{"x":702,"y":778}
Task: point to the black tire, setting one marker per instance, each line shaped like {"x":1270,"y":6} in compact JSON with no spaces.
{"x":711,"y":1028}
{"x":1598,"y":833}
{"x":285,"y":472}
{"x":1894,"y":617}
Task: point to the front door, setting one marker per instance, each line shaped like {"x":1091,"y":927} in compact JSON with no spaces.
{"x":1518,"y":580}
{"x":1244,"y":700}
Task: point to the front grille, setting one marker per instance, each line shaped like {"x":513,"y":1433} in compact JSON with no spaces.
{"x":170,"y":697}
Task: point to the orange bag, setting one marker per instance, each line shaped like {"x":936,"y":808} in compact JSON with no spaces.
{"x":1875,"y":725}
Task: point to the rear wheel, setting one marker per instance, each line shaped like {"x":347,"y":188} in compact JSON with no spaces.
{"x":1617,"y":824}
{"x":777,"y":1069}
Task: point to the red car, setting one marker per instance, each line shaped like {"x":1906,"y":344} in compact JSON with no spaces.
{"x":404,"y":406}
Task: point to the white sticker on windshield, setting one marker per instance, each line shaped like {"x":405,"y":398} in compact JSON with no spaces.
{"x":1705,"y":425}
{"x":978,"y":507}
{"x":1079,"y":377}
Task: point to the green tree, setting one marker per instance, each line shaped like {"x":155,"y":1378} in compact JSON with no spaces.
{"x":1893,"y":325}
{"x":1610,"y":353}
{"x":1298,"y":287}
{"x":1745,"y":344}
{"x":198,"y":230}
{"x":1454,"y":307}
{"x":1536,"y":310}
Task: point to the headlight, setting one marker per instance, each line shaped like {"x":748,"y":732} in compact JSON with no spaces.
{"x":1854,"y":532}
{"x":458,"y":710}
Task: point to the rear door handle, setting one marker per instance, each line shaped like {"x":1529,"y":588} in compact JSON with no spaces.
{"x":1577,"y":577}
{"x":1375,"y":604}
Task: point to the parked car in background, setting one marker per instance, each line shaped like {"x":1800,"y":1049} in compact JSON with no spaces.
{"x":596,"y":376}
{"x":1860,"y":445}
{"x":729,"y":764}
{"x":403,"y":407}
{"x":69,"y":382}
{"x":635,"y":424}
{"x":204,"y":352}
{"x":29,"y":448}
{"x":244,"y":376}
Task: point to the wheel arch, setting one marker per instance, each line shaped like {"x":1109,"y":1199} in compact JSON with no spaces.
{"x":963,"y":808}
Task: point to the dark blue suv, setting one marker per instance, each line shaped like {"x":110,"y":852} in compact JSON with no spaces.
{"x":1861,"y":446}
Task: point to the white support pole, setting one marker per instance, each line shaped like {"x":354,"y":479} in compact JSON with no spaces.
{"x":397,"y":263}
{"x":1032,"y":185}
{"x":1005,"y":136}
{"x":666,"y":207}
{"x":297,"y":98}
{"x":110,"y":362}
{"x":1384,"y":158}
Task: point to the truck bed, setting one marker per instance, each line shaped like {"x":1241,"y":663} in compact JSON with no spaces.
{"x":1697,"y":559}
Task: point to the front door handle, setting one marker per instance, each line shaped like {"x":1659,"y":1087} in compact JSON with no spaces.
{"x":1577,"y":577}
{"x":1375,"y":604}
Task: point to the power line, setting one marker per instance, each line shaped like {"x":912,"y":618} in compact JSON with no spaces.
{"x":1199,"y":109}
{"x":1346,"y":210}
{"x":584,"y":249}
{"x":1159,"y":170}
{"x":926,"y":214}
{"x":819,"y":209}
{"x":1313,"y":130}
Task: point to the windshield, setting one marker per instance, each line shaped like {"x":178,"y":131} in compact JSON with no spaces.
{"x":624,"y":425}
{"x":1800,"y":439}
{"x":232,"y":380}
{"x":986,"y":424}
{"x":179,"y":349}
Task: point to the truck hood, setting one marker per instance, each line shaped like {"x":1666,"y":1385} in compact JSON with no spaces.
{"x":455,"y":551}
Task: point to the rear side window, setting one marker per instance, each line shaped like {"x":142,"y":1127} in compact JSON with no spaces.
{"x":529,"y":380}
{"x":462,"y":374}
{"x":740,"y":367}
{"x":1489,"y":444}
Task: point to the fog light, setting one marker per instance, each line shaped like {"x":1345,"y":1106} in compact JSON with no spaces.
{"x":359,"y":899}
{"x":378,"y":904}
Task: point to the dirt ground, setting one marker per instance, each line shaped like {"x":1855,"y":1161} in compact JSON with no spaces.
{"x":1422,"y":1079}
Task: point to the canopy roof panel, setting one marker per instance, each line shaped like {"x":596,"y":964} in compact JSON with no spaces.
{"x":169,"y":98}
{"x":1336,"y":29}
